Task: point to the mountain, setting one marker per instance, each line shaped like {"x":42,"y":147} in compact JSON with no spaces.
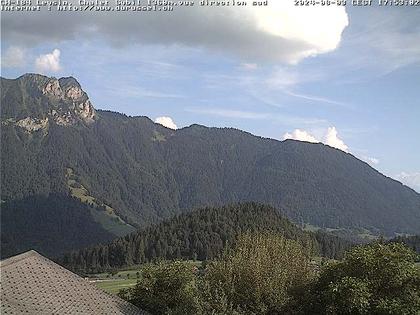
{"x":137,"y":172}
{"x":53,"y":225}
{"x":202,"y":234}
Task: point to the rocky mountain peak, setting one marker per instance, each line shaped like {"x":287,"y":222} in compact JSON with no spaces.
{"x":53,"y":88}
{"x":69,"y":91}
{"x":45,"y":100}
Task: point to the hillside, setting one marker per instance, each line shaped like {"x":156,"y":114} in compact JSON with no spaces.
{"x":51,"y":225}
{"x":202,"y":235}
{"x":55,"y":142}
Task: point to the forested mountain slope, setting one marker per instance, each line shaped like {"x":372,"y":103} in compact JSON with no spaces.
{"x":51,"y":225}
{"x":54,"y":141}
{"x":202,"y":234}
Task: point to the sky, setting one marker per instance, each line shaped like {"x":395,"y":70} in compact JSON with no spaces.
{"x":346,"y":76}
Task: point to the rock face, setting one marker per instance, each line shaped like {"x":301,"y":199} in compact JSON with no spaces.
{"x":69,"y":91}
{"x":33,"y":124}
{"x":53,"y":89}
{"x":60,"y":101}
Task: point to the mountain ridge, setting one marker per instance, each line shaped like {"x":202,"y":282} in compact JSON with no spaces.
{"x":147,"y":172}
{"x":71,"y":81}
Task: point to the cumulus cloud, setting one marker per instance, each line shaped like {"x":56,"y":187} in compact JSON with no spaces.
{"x":300,"y":135}
{"x":49,"y":62}
{"x":410,"y":179}
{"x":279,"y":32}
{"x":310,"y":24}
{"x":13,"y":57}
{"x":166,"y":122}
{"x":331,"y":138}
{"x":371,"y":160}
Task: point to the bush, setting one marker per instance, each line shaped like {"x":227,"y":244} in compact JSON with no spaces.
{"x":372,"y":279}
{"x":214,"y":301}
{"x":165,"y":288}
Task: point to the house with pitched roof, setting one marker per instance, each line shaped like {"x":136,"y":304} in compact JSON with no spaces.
{"x":33,"y":284}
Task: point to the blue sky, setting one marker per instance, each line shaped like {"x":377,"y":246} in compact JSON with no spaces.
{"x":348,"y":77}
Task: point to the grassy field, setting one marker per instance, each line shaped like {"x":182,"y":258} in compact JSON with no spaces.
{"x":115,"y":285}
{"x":112,"y":283}
{"x":126,"y":278}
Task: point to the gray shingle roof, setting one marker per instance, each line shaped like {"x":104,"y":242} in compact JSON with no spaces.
{"x":33,"y":284}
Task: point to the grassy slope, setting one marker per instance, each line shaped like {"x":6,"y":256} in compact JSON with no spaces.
{"x":108,"y":218}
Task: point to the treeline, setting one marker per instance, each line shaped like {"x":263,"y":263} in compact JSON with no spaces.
{"x":199,"y":235}
{"x":266,"y":274}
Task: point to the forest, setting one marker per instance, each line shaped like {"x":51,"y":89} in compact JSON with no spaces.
{"x":200,"y":235}
{"x":50,"y":225}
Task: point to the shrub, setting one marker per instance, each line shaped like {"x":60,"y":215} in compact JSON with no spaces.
{"x":372,"y":279}
{"x":165,"y":288}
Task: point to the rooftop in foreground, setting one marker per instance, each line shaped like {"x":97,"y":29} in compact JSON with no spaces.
{"x":33,"y":284}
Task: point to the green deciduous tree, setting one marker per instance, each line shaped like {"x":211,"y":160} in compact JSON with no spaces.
{"x":258,"y":274}
{"x":166,"y":288}
{"x":373,"y":279}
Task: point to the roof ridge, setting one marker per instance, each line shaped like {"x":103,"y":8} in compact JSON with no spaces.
{"x":32,"y":282}
{"x":17,"y":258}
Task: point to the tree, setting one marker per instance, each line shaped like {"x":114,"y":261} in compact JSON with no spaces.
{"x":372,"y":279}
{"x":165,"y":288}
{"x":253,"y":277}
{"x":257,"y":275}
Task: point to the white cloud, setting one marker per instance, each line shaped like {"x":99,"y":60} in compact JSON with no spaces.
{"x":286,"y":79}
{"x":249,"y":66}
{"x":371,"y":160}
{"x":332,"y":139}
{"x":279,"y":32}
{"x":300,"y":135}
{"x":13,"y":57}
{"x":314,"y":98}
{"x":166,"y":122}
{"x":49,"y":62}
{"x":309,"y":24}
{"x":410,"y":179}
